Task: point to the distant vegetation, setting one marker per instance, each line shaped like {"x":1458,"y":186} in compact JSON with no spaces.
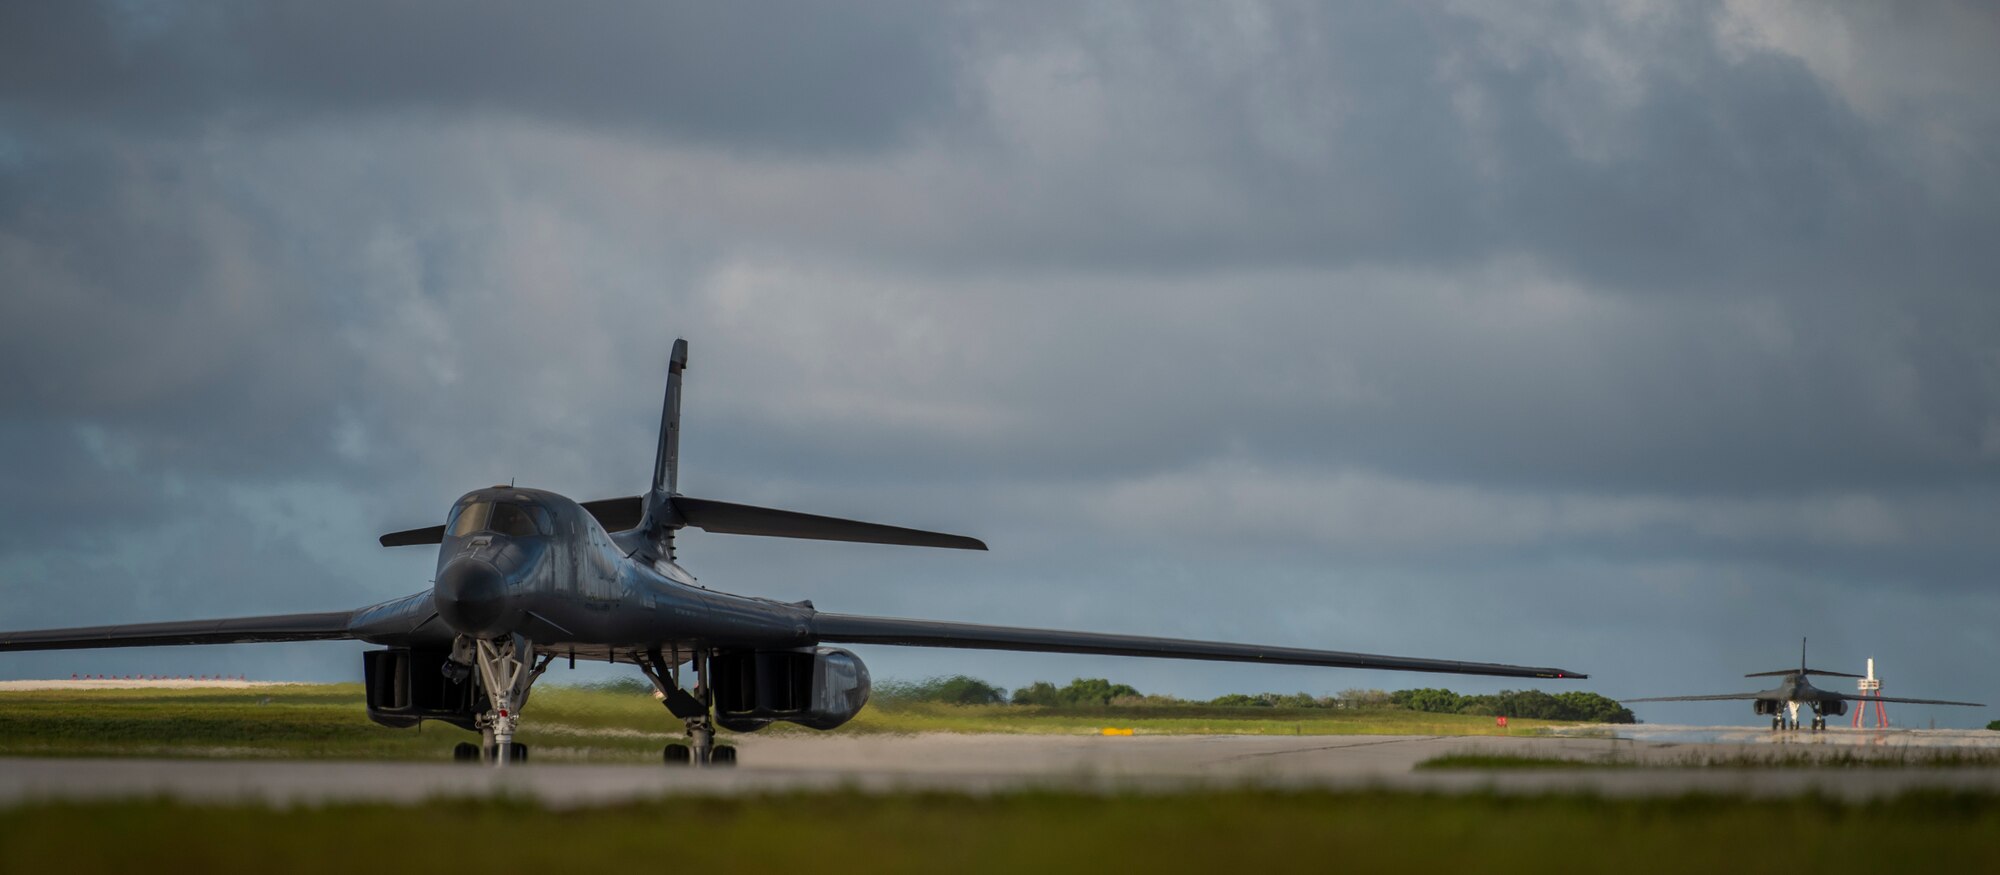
{"x":629,"y":685}
{"x":955,"y":690}
{"x":1079,"y":692}
{"x":1573,"y":706}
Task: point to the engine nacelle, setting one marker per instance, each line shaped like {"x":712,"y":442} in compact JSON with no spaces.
{"x":406,"y":687}
{"x":819,"y":687}
{"x":1764,"y":707}
{"x":1834,"y":708}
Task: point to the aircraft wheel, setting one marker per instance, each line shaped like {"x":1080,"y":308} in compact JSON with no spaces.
{"x":518,"y":753}
{"x":465,"y":752}
{"x":677,"y":754}
{"x":724,"y":755}
{"x":1777,"y":723}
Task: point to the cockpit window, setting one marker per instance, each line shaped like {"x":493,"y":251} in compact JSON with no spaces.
{"x":502,"y":517}
{"x":517,"y":521}
{"x":470,"y":518}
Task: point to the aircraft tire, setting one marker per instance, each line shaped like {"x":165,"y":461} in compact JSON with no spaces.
{"x":724,"y":755}
{"x":677,"y":754}
{"x":465,"y":752}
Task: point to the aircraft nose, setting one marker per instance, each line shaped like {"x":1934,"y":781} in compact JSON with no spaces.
{"x":471,"y":597}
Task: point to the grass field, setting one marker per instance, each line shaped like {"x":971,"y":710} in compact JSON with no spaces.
{"x":1214,"y":832}
{"x":568,"y":723}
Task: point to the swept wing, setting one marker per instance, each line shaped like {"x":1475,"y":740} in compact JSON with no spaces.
{"x":852,"y":629}
{"x":327,"y":626}
{"x":1895,"y":701}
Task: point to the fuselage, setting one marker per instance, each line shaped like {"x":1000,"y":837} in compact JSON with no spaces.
{"x":535,"y":563}
{"x":1795,"y":692}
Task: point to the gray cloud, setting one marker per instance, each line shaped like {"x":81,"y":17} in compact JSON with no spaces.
{"x":786,"y":76}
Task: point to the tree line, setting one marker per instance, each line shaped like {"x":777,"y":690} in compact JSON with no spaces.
{"x":1101,"y":692}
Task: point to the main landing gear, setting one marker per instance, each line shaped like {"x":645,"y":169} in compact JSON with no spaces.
{"x":507,"y":670}
{"x":692,"y":708}
{"x":1782,"y":722}
{"x":467,"y":752}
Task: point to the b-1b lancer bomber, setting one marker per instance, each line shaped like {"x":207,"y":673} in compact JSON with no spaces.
{"x":1783,"y":701}
{"x":525,"y":577}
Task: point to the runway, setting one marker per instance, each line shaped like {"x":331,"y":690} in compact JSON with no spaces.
{"x":985,"y":764}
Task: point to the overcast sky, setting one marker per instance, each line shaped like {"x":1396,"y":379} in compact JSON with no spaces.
{"x":1639,"y":338}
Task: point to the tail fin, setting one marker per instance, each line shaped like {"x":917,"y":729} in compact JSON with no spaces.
{"x":1801,"y":670}
{"x":663,"y":509}
{"x":667,"y":460}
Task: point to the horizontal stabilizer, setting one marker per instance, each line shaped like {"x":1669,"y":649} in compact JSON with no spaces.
{"x":414,"y":537}
{"x":233,"y":630}
{"x":1793,"y":671}
{"x":615,"y":514}
{"x":618,"y":514}
{"x":628,"y":512}
{"x":742,"y":519}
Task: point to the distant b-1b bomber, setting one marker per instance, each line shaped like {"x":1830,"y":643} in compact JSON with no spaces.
{"x":1782,"y":702}
{"x":526,"y":576}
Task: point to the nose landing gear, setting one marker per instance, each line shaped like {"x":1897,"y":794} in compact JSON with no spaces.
{"x":507,"y":670}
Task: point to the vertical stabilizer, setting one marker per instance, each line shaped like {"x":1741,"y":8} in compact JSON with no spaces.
{"x":1802,"y":669}
{"x":667,"y":461}
{"x":663,"y":508}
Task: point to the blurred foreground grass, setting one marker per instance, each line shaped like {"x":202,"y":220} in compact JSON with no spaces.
{"x":1211,"y":832}
{"x":1772,"y":757}
{"x":571,"y":723}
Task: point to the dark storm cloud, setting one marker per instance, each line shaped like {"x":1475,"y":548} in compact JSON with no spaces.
{"x":1567,"y":330}
{"x":792,"y":75}
{"x":1315,"y":135}
{"x":142,"y":295}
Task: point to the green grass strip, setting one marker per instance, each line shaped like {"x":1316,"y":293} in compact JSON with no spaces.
{"x":1024,"y":832}
{"x":580,"y":724}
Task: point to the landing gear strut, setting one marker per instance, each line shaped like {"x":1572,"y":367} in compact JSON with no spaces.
{"x":507,"y":669}
{"x":692,"y":708}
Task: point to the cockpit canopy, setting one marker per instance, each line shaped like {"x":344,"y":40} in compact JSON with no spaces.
{"x":514,"y":519}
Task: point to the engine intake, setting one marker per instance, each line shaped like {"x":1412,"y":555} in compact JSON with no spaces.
{"x":1764,"y":707}
{"x":819,"y":687}
{"x":406,"y":687}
